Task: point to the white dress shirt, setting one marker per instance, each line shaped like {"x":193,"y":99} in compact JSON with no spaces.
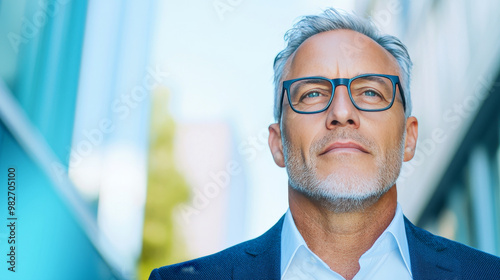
{"x":388,"y":258}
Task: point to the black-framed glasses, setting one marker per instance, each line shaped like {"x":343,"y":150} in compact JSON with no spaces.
{"x":368,"y":92}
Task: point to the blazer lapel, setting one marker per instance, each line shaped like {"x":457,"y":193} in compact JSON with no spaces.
{"x":427,"y":255}
{"x":262,"y":256}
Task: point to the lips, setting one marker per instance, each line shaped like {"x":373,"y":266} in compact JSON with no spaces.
{"x":344,"y":147}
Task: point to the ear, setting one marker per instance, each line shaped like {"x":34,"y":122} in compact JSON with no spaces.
{"x":411,"y":138}
{"x":275,"y":144}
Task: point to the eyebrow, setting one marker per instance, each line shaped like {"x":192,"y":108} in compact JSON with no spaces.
{"x":314,"y":80}
{"x":374,"y":78}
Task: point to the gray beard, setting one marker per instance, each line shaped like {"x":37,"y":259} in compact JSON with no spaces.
{"x":341,"y":191}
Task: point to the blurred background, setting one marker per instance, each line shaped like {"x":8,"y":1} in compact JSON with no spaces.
{"x":138,"y":129}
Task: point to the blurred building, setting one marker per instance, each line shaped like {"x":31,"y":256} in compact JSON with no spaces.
{"x":451,"y":187}
{"x":206,"y":155}
{"x":75,"y":79}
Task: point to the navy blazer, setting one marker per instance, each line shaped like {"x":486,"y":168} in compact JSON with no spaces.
{"x":431,"y":257}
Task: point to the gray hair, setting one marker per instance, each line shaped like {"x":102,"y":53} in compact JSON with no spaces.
{"x":332,"y":19}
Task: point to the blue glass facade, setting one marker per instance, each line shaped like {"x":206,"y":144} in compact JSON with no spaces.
{"x":56,"y":229}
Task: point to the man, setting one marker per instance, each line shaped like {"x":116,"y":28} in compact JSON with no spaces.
{"x":343,"y":129}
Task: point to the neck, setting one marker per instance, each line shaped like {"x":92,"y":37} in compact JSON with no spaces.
{"x":340,"y":239}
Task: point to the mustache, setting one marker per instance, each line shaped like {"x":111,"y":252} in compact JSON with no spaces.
{"x":343,"y":135}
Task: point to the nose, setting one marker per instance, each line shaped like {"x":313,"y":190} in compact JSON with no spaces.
{"x":342,"y":112}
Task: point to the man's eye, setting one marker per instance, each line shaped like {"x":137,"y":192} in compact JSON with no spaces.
{"x":312,"y":94}
{"x":370,"y":93}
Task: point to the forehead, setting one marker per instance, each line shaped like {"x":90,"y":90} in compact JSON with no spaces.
{"x":340,"y":54}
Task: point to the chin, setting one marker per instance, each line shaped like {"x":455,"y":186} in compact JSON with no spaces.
{"x":340,"y":192}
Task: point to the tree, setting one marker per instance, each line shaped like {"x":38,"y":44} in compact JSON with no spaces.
{"x":162,"y":243}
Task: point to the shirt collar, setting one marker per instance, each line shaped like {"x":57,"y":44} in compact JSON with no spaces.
{"x":292,"y":240}
{"x":397,"y":229}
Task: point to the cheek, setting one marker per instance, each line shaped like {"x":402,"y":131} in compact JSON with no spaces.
{"x":300,"y":133}
{"x":385,"y":130}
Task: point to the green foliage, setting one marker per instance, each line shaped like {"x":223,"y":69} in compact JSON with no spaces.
{"x":162,"y":244}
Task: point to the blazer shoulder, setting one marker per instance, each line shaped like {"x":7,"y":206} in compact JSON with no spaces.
{"x":220,"y":265}
{"x":215,"y":266}
{"x":471,"y":261}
